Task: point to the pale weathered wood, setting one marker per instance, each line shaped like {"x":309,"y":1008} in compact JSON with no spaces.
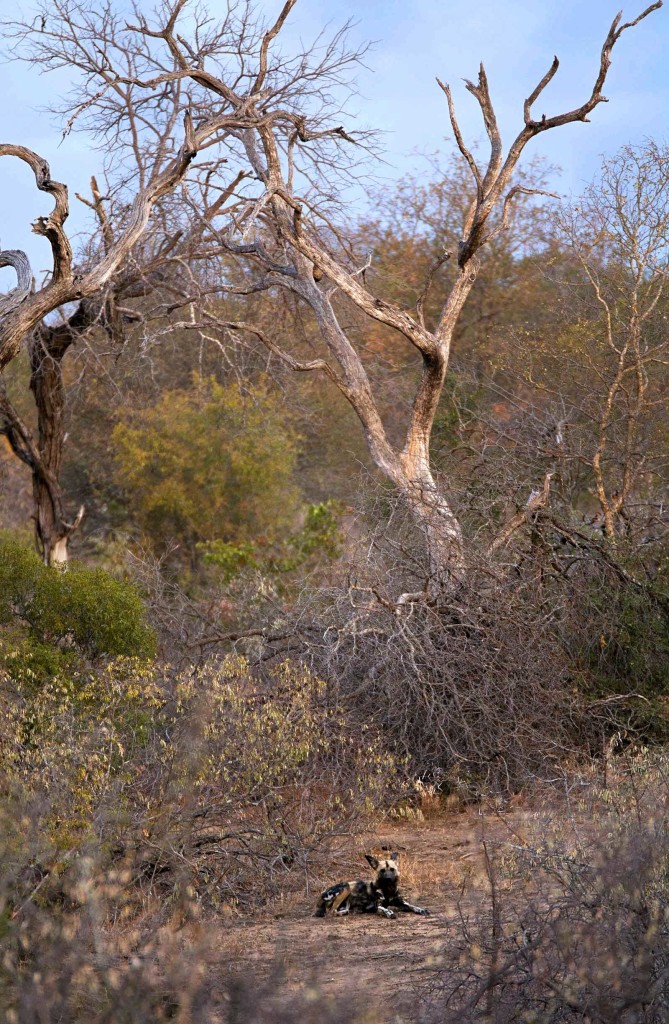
{"x":19,"y":262}
{"x":309,"y":260}
{"x":289,"y":248}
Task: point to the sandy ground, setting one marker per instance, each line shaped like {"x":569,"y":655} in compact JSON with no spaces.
{"x":388,"y":963}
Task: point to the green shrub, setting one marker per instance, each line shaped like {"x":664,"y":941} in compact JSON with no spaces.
{"x":210,"y":463}
{"x":20,"y":573}
{"x":319,"y":539}
{"x":82,"y":608}
{"x":101,"y":615}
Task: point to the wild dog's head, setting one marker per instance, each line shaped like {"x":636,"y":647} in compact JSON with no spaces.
{"x":387,"y":873}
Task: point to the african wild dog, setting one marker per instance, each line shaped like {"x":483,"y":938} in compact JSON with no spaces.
{"x":375,"y":897}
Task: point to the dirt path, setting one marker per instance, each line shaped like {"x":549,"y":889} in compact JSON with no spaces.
{"x":386,"y":962}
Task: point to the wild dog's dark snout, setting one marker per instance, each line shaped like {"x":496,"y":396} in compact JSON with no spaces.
{"x":387,"y":871}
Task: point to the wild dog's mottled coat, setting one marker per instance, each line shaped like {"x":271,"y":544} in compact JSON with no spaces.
{"x":380,"y":896}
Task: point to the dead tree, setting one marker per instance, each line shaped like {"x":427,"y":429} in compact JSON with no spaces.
{"x":117,"y":91}
{"x":619,"y":235}
{"x":288,"y":243}
{"x":258,"y":110}
{"x":112,"y":312}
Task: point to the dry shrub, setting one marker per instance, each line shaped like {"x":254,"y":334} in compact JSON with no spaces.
{"x":576,"y":928}
{"x":473,"y":690}
{"x":255,"y":777}
{"x":73,"y":949}
{"x":134,"y":802}
{"x":536,"y":653}
{"x":211,"y":780}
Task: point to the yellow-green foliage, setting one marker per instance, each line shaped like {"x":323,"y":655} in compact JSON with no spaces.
{"x":210,"y":463}
{"x":171,"y":756}
{"x":319,"y":538}
{"x":247,"y":742}
{"x":83,"y":609}
{"x":253,"y":743}
{"x":74,"y":739}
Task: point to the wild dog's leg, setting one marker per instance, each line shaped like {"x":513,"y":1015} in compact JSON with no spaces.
{"x":329,"y":897}
{"x":372,"y":902}
{"x":342,"y":901}
{"x":401,"y":904}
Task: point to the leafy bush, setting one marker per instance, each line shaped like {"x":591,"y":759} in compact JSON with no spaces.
{"x":210,"y":463}
{"x":211,"y":775}
{"x":73,"y":742}
{"x":320,"y":537}
{"x":82,"y":608}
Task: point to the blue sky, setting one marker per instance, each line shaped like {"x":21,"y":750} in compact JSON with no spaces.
{"x":414,"y":41}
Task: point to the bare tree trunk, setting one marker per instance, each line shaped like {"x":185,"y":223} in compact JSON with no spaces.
{"x":429,"y":506}
{"x":434,"y":516}
{"x":44,"y":457}
{"x":52,"y":532}
{"x":291,"y":250}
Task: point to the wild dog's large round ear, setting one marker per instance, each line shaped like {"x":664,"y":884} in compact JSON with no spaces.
{"x":373,"y":861}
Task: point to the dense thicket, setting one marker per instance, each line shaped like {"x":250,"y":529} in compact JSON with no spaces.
{"x":228,"y":499}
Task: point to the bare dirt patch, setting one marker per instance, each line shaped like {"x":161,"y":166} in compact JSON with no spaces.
{"x":382,"y":963}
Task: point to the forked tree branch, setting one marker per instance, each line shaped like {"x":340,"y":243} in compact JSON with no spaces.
{"x":65,"y":286}
{"x":51,"y":227}
{"x":97,"y":205}
{"x":467,"y":153}
{"x":482,"y":94}
{"x":499,"y":171}
{"x":378,"y":309}
{"x":267,"y":39}
{"x":534,"y":95}
{"x":581,"y":113}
